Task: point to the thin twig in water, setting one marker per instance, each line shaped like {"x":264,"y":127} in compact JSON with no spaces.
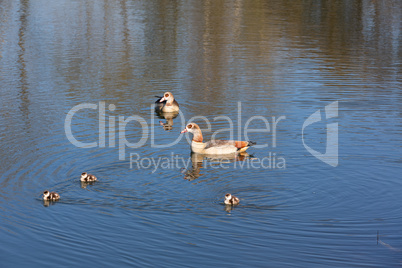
{"x":385,"y":244}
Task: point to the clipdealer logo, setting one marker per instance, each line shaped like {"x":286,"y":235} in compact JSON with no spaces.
{"x":330,"y":156}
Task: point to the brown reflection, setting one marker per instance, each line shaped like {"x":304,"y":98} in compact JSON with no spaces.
{"x":212,"y":49}
{"x":337,"y":32}
{"x":84,"y":184}
{"x":194,"y":172}
{"x":47,"y":203}
{"x":24,"y":95}
{"x":197,"y":161}
{"x":168,"y":125}
{"x":126,"y":73}
{"x":228,"y":208}
{"x":343,"y":32}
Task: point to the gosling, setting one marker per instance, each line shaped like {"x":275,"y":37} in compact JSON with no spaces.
{"x":50,"y":196}
{"x":231,"y":200}
{"x":85,"y":177}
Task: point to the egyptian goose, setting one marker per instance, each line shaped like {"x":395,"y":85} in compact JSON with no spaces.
{"x":167,"y":103}
{"x":85,"y":177}
{"x":214,"y":146}
{"x":231,"y":200}
{"x":50,"y":196}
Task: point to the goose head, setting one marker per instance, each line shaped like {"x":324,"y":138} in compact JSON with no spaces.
{"x":168,"y":97}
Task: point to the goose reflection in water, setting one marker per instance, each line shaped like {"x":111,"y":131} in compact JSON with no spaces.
{"x":168,"y":117}
{"x":197,"y":161}
{"x":47,"y":203}
{"x":228,"y":208}
{"x":84,"y":184}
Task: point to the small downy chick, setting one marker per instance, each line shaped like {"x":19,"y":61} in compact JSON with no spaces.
{"x":85,"y":177}
{"x":231,"y":200}
{"x":50,"y":196}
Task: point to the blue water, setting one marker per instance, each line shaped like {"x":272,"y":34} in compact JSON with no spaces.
{"x":231,"y":66}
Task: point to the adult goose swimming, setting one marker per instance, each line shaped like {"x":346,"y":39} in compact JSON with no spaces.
{"x":167,"y":103}
{"x":214,"y":146}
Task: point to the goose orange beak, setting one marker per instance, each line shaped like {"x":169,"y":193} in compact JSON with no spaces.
{"x":184,"y":131}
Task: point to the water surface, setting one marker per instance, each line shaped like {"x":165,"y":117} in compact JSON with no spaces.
{"x":226,"y":61}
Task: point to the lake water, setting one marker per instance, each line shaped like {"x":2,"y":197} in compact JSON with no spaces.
{"x":321,"y":189}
